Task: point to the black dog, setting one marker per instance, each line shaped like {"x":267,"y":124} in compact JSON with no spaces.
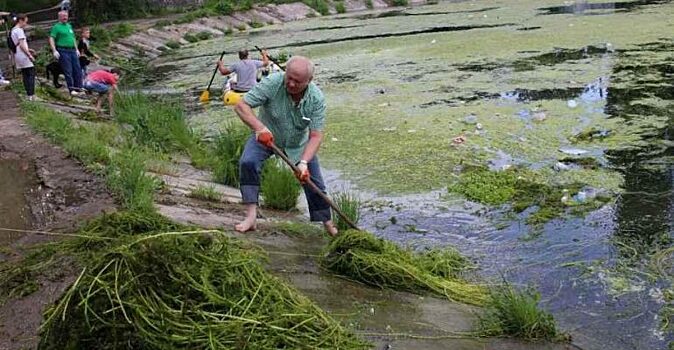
{"x":54,"y":69}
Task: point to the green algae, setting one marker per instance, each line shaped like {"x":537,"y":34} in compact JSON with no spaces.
{"x":523,"y":189}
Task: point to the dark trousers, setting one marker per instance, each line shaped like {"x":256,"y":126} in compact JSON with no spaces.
{"x":70,"y":64}
{"x":28,"y":75}
{"x":250,"y":167}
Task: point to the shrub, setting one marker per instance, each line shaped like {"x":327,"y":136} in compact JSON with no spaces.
{"x":279,"y":187}
{"x":173,"y":44}
{"x":369,"y":4}
{"x":204,"y":35}
{"x":241,"y":27}
{"x":191,"y":37}
{"x":340,"y":7}
{"x":399,"y":2}
{"x":256,"y":24}
{"x":350,"y":205}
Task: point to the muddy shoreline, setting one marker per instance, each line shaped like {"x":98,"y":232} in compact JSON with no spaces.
{"x":61,"y":195}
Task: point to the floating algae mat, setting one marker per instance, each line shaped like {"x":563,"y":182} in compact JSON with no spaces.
{"x":185,"y":290}
{"x":361,"y":256}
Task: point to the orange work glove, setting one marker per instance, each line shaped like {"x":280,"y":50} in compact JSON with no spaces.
{"x":264,"y":137}
{"x":302,"y":173}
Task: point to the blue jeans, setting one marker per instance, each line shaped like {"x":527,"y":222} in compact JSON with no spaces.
{"x":250,"y":167}
{"x":95,"y":86}
{"x":70,"y":64}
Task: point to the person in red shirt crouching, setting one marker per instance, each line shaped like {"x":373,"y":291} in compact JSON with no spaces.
{"x":103,"y":82}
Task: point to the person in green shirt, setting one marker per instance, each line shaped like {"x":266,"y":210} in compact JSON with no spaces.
{"x":291,"y":116}
{"x":64,"y":48}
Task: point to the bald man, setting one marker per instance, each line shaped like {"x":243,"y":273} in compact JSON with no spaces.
{"x":64,"y":48}
{"x":292,"y":116}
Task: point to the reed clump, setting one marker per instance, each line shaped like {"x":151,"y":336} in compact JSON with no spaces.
{"x":361,"y":256}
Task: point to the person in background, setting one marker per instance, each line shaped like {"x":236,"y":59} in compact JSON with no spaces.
{"x":245,"y":69}
{"x":3,"y":81}
{"x":65,"y":5}
{"x":103,"y":82}
{"x":64,"y":48}
{"x":85,"y":50}
{"x":24,"y":56}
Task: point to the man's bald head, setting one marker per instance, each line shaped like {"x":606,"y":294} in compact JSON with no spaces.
{"x":63,"y":16}
{"x":299,"y":72}
{"x":300,"y":65}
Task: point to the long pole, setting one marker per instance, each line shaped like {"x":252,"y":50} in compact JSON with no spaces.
{"x":314,"y":188}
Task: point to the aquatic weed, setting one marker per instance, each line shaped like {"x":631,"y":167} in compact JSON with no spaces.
{"x":349,"y":204}
{"x":360,"y":256}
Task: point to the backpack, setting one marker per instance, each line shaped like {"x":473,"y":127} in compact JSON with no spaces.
{"x":10,"y":43}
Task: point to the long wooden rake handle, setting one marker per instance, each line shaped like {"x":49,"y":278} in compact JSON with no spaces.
{"x":314,"y":188}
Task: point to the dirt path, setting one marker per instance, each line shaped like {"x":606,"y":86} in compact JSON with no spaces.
{"x":60,"y":195}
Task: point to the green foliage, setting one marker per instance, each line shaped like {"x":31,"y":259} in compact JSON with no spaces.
{"x":224,"y":7}
{"x":319,"y":5}
{"x":445,"y":262}
{"x":516,"y":314}
{"x":340,"y":7}
{"x":362,"y":257}
{"x":84,"y":143}
{"x":293,"y":228}
{"x":279,"y":186}
{"x":102,"y":37}
{"x":204,"y":35}
{"x":185,"y":291}
{"x":173,"y":44}
{"x":127,"y":179}
{"x":108,"y":10}
{"x":256,"y":24}
{"x":157,"y":123}
{"x":191,"y":37}
{"x":207,"y":193}
{"x":349,"y":204}
{"x":228,"y":150}
{"x":240,"y":27}
{"x":488,"y":187}
{"x":399,"y":2}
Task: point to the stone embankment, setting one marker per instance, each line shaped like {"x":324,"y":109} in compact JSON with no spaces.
{"x":152,"y":38}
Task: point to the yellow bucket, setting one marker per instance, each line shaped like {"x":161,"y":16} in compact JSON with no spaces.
{"x":231,"y":98}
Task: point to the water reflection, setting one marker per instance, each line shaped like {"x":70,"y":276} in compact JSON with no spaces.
{"x":582,"y":7}
{"x":644,"y":212}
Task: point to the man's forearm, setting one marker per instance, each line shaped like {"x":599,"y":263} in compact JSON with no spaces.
{"x":314,"y":143}
{"x":52,"y":44}
{"x":247,"y":115}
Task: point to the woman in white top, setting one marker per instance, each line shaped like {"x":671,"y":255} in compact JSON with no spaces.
{"x":24,"y":56}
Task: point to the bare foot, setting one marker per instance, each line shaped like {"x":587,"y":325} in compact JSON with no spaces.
{"x":330,"y":228}
{"x":245,"y":226}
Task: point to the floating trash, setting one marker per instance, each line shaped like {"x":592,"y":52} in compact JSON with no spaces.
{"x":478,"y":126}
{"x":470,"y":119}
{"x":335,"y":139}
{"x":572,"y":151}
{"x":539,"y":116}
{"x":559,"y":166}
{"x":393,"y":128}
{"x":572,"y":103}
{"x":458,"y":140}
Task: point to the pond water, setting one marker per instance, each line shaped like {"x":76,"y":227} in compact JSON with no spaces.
{"x":16,"y":179}
{"x":536,"y":76}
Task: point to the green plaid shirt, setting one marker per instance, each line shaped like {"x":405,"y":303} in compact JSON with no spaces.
{"x":290,"y":123}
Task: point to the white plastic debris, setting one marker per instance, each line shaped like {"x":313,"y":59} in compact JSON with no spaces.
{"x":572,"y":103}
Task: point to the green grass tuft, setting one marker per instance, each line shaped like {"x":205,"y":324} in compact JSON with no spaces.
{"x":516,"y":314}
{"x":207,"y":193}
{"x":349,"y":204}
{"x":279,"y":188}
{"x":127,"y":179}
{"x":227,"y":151}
